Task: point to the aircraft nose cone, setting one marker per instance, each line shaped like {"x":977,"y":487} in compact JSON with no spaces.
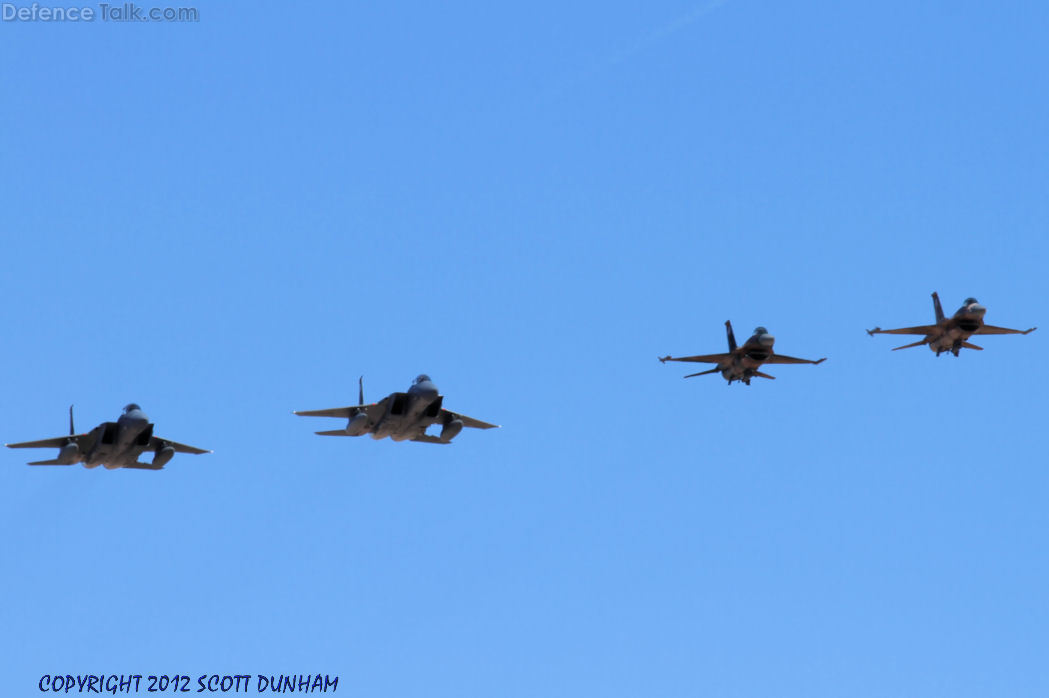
{"x":766,"y":340}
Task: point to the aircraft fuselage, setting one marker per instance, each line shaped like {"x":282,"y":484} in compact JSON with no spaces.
{"x":957,"y":329}
{"x":119,"y":443}
{"x":748,"y":358}
{"x":407,"y":416}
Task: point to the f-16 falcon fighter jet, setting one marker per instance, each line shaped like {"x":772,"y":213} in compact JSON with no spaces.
{"x":951,"y":333}
{"x":741,"y":363}
{"x":401,"y":416}
{"x":112,"y":444}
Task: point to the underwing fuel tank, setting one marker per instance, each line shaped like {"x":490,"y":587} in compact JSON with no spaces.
{"x":69,"y":453}
{"x":451,"y":429}
{"x":358,"y":424}
{"x":163,"y":456}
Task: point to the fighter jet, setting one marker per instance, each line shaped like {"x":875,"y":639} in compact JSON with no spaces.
{"x":112,"y":444}
{"x":951,"y":334}
{"x":742,"y":363}
{"x":401,"y":416}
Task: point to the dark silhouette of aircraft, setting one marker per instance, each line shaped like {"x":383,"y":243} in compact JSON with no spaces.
{"x":401,"y":416}
{"x":741,"y":363}
{"x":112,"y":444}
{"x":951,"y":333}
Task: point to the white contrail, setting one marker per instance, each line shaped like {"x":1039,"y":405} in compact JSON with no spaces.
{"x":698,"y":12}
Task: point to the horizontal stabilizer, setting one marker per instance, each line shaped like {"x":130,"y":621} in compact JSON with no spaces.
{"x":916,"y":344}
{"x":702,"y":373}
{"x":428,"y":439}
{"x":48,"y":462}
{"x":144,"y":466}
{"x":333,"y":432}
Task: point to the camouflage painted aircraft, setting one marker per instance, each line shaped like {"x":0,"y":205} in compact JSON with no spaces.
{"x":741,"y":363}
{"x":401,"y":416}
{"x":112,"y":444}
{"x":951,"y":333}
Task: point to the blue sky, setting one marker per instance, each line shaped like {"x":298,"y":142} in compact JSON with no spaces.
{"x":228,"y":220}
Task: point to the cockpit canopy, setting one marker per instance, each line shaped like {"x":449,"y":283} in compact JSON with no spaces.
{"x":970,"y":300}
{"x":132,"y":407}
{"x":421,"y":378}
{"x":760,"y":330}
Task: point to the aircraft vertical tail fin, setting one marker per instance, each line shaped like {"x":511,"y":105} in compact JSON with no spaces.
{"x":72,"y":432}
{"x":731,"y":336}
{"x":937,"y":307}
{"x":360,"y":388}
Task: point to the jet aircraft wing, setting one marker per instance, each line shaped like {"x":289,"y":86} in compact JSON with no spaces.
{"x":467,"y":421}
{"x":345,"y":412}
{"x":57,"y":442}
{"x":81,"y":440}
{"x":920,"y":329}
{"x":783,"y":359}
{"x":702,"y":358}
{"x":157,"y":442}
{"x":991,"y":329}
{"x":84,"y":442}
